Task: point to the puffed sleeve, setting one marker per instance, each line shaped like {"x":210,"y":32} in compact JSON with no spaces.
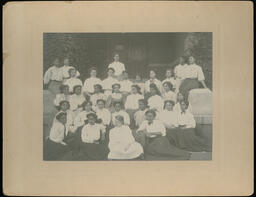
{"x":191,"y":121}
{"x":143,"y":126}
{"x":47,"y":76}
{"x":200,"y":74}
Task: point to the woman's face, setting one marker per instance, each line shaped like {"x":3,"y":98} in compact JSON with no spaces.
{"x":64,"y":106}
{"x":56,"y":62}
{"x":153,"y":91}
{"x":117,"y":107}
{"x":72,"y":73}
{"x":168,"y":73}
{"x":116,"y":57}
{"x":169,"y":106}
{"x":93,"y":73}
{"x":110,"y":73}
{"x":141,"y":105}
{"x":152,"y":74}
{"x":138,"y":78}
{"x":183,"y":106}
{"x":63,"y":119}
{"x":180,"y":97}
{"x":88,"y":107}
{"x":150,"y":117}
{"x":118,"y":123}
{"x":78,"y":90}
{"x":191,"y":60}
{"x":100,"y":105}
{"x":97,"y":89}
{"x":91,"y":120}
{"x":116,"y":88}
{"x":134,"y":90}
{"x":66,"y":90}
{"x":166,"y":87}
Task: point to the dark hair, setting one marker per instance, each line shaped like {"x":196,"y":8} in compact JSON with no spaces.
{"x":60,"y":114}
{"x":76,"y":86}
{"x":185,"y":101}
{"x":115,"y":85}
{"x":62,"y":86}
{"x":120,"y":118}
{"x":92,"y":68}
{"x":101,"y":100}
{"x":169,"y":84}
{"x":143,"y":101}
{"x":86,"y":103}
{"x":153,"y":85}
{"x":117,"y":102}
{"x":69,"y":70}
{"x":151,"y":111}
{"x":64,"y":101}
{"x":111,"y":69}
{"x":92,"y":115}
{"x":100,"y":87}
{"x":137,"y":87}
{"x":168,"y":101}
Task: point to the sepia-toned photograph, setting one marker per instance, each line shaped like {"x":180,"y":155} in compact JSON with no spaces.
{"x":127,"y":96}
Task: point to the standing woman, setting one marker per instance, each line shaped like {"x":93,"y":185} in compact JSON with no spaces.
{"x":92,"y":138}
{"x":117,"y":66}
{"x":179,"y":72}
{"x":122,"y":144}
{"x":168,"y":93}
{"x":193,"y":77}
{"x":55,"y":147}
{"x":151,"y":134}
{"x":185,"y":137}
{"x":155,"y":101}
{"x":53,"y":77}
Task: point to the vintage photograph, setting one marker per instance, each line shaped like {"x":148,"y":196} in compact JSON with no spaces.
{"x":127,"y":96}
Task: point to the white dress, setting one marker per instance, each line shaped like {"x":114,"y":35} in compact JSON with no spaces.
{"x":126,"y":85}
{"x":122,"y":144}
{"x":139,"y":117}
{"x":91,"y":133}
{"x":89,"y":84}
{"x":186,"y":119}
{"x":80,"y":118}
{"x":121,"y":113}
{"x":104,"y":114}
{"x":57,"y":132}
{"x":118,"y":67}
{"x":156,"y":102}
{"x":72,"y":82}
{"x":132,"y":101}
{"x":97,"y":96}
{"x":107,"y":85}
{"x":75,"y":101}
{"x":169,"y":96}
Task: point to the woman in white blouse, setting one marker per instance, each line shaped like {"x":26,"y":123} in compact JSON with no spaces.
{"x":168,"y":116}
{"x":109,"y":81}
{"x":89,"y":83}
{"x":153,"y":80}
{"x":179,"y":71}
{"x":170,"y":78}
{"x":63,"y":96}
{"x":55,"y":147}
{"x":152,"y":135}
{"x":119,"y":112}
{"x":155,"y":101}
{"x":139,"y":115}
{"x":185,"y":137}
{"x":168,"y":93}
{"x":193,"y":75}
{"x":72,"y":81}
{"x":103,"y":113}
{"x":92,"y":137}
{"x":117,"y":66}
{"x":180,"y":98}
{"x":76,"y":99}
{"x":98,"y":94}
{"x":53,"y":77}
{"x":115,"y":96}
{"x":122,"y":144}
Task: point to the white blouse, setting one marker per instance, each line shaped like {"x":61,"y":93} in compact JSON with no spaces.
{"x":104,"y":114}
{"x":72,"y":82}
{"x":126,"y":86}
{"x":89,"y":84}
{"x":169,"y":118}
{"x":132,"y":101}
{"x":171,"y":80}
{"x":53,"y":73}
{"x":139,"y":117}
{"x":179,"y":71}
{"x":80,"y":118}
{"x":155,"y":81}
{"x":178,"y":109}
{"x":118,"y":67}
{"x":57,"y":132}
{"x":91,"y":133}
{"x":97,"y":96}
{"x":186,"y":119}
{"x":70,"y":121}
{"x":169,"y":96}
{"x":76,"y":100}
{"x":121,"y":113}
{"x":194,"y":71}
{"x":59,"y":98}
{"x":156,"y":102}
{"x":156,"y":126}
{"x":107,"y":85}
{"x":65,"y":72}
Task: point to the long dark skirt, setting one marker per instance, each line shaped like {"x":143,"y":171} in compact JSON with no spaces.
{"x":94,"y":151}
{"x":54,"y":151}
{"x":131,"y":113}
{"x":187,"y":139}
{"x":187,"y":85}
{"x":159,"y":148}
{"x":54,"y":87}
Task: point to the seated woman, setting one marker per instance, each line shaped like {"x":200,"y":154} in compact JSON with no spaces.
{"x":151,"y":134}
{"x":139,"y":115}
{"x":126,"y":84}
{"x":55,"y":147}
{"x":109,"y":82}
{"x":179,"y":72}
{"x":89,"y":83}
{"x":122,"y":144}
{"x":193,"y":77}
{"x":115,"y":96}
{"x":119,"y":112}
{"x":155,"y":101}
{"x":92,"y":137}
{"x":138,"y":81}
{"x":185,"y":137}
{"x":63,"y":96}
{"x":168,"y":93}
{"x":132,"y":104}
{"x":103,"y":113}
{"x":168,"y":116}
{"x":170,"y":78}
{"x":153,"y":80}
{"x":72,"y":81}
{"x":98,"y":94}
{"x":180,"y":98}
{"x":81,"y":117}
{"x":76,"y":99}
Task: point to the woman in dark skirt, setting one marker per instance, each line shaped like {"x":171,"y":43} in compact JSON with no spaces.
{"x":92,"y":138}
{"x":55,"y":147}
{"x":184,"y":136}
{"x":152,"y":136}
{"x":193,"y":77}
